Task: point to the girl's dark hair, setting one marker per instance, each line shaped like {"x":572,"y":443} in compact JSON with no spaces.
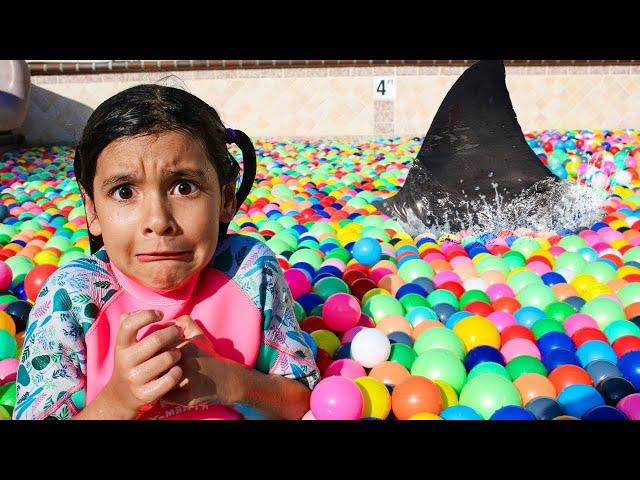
{"x":150,"y":109}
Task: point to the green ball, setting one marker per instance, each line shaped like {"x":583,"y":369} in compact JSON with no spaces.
{"x":377,"y":233}
{"x":525,"y":246}
{"x":621,"y":328}
{"x":601,"y":271}
{"x":488,"y":367}
{"x":572,"y":243}
{"x":522,"y":279}
{"x":277,"y":246}
{"x":299,"y":311}
{"x":439,"y":338}
{"x":514,"y":259}
{"x":491,"y":262}
{"x":7,"y":298}
{"x":536,"y":295}
{"x":316,"y":311}
{"x":288,"y":239}
{"x":402,"y":354}
{"x":327,"y":286}
{"x":559,"y":311}
{"x":570,"y":260}
{"x":416,"y":268}
{"x":8,"y":345}
{"x":631,"y":255}
{"x":8,"y":395}
{"x":19,"y":265}
{"x":379,"y":306}
{"x":440,"y":364}
{"x":488,"y":393}
{"x":544,"y":326}
{"x":339,"y":253}
{"x":4,"y":414}
{"x":525,"y":364}
{"x":473,"y":296}
{"x":306,"y":255}
{"x":413,"y":300}
{"x":604,"y":311}
{"x":629,"y":294}
{"x":70,"y":257}
{"x":443,"y":296}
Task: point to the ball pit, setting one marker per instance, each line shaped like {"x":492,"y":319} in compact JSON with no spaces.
{"x":500,"y":325}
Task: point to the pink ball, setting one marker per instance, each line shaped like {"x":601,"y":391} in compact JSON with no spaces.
{"x":341,"y":311}
{"x":499,"y":290}
{"x":630,"y":406}
{"x":517,"y":347}
{"x":8,"y":370}
{"x":575,"y":322}
{"x":308,"y":416}
{"x":446,"y":276}
{"x":298,"y":282}
{"x":349,"y":334}
{"x":502,"y":320}
{"x":365,"y":321}
{"x":538,"y":267}
{"x":337,"y":398}
{"x":6,"y":276}
{"x":377,"y":274}
{"x":345,"y":367}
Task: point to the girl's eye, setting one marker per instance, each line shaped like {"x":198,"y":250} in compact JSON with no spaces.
{"x":184,"y":187}
{"x":123,"y":193}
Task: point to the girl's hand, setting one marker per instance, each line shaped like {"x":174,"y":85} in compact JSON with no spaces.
{"x":143,"y":370}
{"x":207,"y":376}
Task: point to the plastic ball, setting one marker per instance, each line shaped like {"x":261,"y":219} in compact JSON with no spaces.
{"x":370,"y":347}
{"x":489,"y":392}
{"x":415,"y":395}
{"x":337,"y":398}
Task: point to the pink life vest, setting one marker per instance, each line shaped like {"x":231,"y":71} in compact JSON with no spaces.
{"x":222,"y":309}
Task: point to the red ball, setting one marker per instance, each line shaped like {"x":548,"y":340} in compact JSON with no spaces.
{"x":516,"y":331}
{"x":453,"y":287}
{"x":626,"y":344}
{"x":506,"y":304}
{"x":586,"y":334}
{"x":567,"y":375}
{"x":313,"y":323}
{"x":35,"y":280}
{"x":479,"y":308}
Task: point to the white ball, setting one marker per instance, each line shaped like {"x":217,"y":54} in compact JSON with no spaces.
{"x":567,"y":273}
{"x":623,"y":177}
{"x":475,"y":284}
{"x":370,"y":347}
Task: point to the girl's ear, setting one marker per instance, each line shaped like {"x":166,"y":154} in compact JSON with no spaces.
{"x":228,"y":206}
{"x":92,"y":218}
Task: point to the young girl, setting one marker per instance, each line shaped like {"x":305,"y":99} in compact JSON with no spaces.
{"x":169,"y":317}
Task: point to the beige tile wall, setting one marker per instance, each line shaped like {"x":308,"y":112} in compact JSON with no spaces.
{"x":339,"y":101}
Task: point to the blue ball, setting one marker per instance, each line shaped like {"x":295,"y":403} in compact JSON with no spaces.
{"x":604,"y":412}
{"x":558,"y":357}
{"x":552,"y":278}
{"x":480,"y":354}
{"x":614,"y":389}
{"x":596,"y":350}
{"x":579,"y":399}
{"x":460,"y":412}
{"x":367,"y":251}
{"x":554,"y":340}
{"x":629,"y":365}
{"x":575,"y":302}
{"x":512,"y":412}
{"x":444,"y":311}
{"x":528,"y":315}
{"x":343,"y":351}
{"x":426,"y":283}
{"x":598,"y":370}
{"x":309,"y":301}
{"x":311,"y":343}
{"x":410,"y":288}
{"x":545,"y":408}
{"x":400,"y":337}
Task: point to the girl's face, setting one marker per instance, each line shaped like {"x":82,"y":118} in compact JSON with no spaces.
{"x":157,"y":204}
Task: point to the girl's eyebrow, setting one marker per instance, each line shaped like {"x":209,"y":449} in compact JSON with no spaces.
{"x":119,"y":178}
{"x":187,"y":172}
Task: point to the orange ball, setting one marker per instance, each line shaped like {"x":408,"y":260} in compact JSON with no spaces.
{"x":563,"y":290}
{"x":7,"y":323}
{"x":415,"y":395}
{"x":493,"y":276}
{"x":394,"y":323}
{"x":427,"y":324}
{"x":20,"y":338}
{"x":534,"y":385}
{"x":440,"y":266}
{"x":506,"y":304}
{"x":390,"y":373}
{"x":567,"y":375}
{"x":391,"y":283}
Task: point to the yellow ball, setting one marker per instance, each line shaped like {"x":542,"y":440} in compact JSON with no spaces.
{"x":425,"y":416}
{"x":627,"y":270}
{"x":7,"y":323}
{"x":326,"y":340}
{"x":449,"y":395}
{"x":373,"y":292}
{"x":46,"y":258}
{"x":479,"y":257}
{"x":544,"y":254}
{"x":619,"y":242}
{"x":583,"y":283}
{"x":377,"y":400}
{"x":475,"y":331}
